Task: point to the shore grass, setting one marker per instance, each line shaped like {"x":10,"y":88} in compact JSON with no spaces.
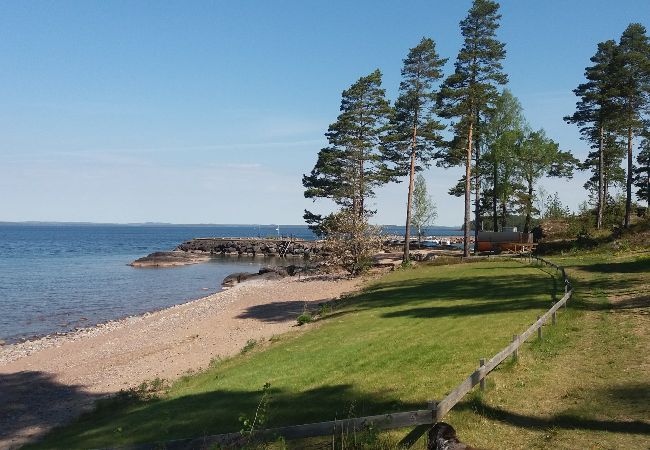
{"x":414,"y":335}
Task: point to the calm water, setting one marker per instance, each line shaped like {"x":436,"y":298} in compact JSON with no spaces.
{"x":54,"y":278}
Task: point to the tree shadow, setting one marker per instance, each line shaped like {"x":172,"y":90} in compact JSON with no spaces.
{"x":572,"y":421}
{"x":638,"y":266}
{"x":219,"y":411}
{"x":454,"y":296}
{"x":33,"y":402}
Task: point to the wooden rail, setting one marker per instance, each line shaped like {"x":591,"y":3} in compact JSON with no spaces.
{"x":420,"y":418}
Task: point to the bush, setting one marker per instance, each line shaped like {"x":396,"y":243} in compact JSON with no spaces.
{"x":304,"y":318}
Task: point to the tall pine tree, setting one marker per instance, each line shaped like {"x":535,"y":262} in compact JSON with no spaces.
{"x":414,"y":132}
{"x":595,"y":114}
{"x":632,"y":93}
{"x":353,"y":165}
{"x":471,"y":91}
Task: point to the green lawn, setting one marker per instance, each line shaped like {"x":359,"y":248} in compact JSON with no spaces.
{"x":587,"y":384}
{"x":406,"y":339}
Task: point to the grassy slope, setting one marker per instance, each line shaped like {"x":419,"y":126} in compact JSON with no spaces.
{"x":409,"y":338}
{"x":414,"y":335}
{"x":587,"y":385}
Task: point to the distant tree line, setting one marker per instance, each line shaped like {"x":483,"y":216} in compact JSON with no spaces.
{"x":373,"y":142}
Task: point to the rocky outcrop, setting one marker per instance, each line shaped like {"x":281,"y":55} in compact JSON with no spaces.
{"x":265,"y":273}
{"x":252,"y":247}
{"x":170,"y":259}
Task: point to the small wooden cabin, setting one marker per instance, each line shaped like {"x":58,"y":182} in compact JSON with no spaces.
{"x":505,"y":241}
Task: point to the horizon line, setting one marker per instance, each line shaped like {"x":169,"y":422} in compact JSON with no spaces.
{"x":55,"y":222}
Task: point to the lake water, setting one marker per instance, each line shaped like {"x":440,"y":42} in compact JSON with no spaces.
{"x":54,"y":278}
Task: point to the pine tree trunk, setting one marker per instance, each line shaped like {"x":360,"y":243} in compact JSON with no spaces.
{"x":468,"y":190}
{"x":407,"y":234}
{"x":628,"y":184}
{"x":504,"y":212}
{"x":477,"y":197}
{"x":409,"y":204}
{"x":495,"y":174}
{"x":601,"y":187}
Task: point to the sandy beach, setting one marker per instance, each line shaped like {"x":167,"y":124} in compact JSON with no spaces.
{"x":46,"y":382}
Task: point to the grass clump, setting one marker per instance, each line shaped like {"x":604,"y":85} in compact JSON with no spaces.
{"x":250,"y":345}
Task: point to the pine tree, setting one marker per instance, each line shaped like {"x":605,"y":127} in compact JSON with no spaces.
{"x":642,"y":172}
{"x":632,"y":93}
{"x":471,"y":91}
{"x":605,"y":164}
{"x":539,"y":156}
{"x":595,"y":113}
{"x":414,"y":132}
{"x":352,"y":166}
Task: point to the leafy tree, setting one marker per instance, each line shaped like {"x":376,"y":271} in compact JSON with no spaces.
{"x":351,"y":241}
{"x":642,"y":172}
{"x":353,"y":165}
{"x":503,"y":133}
{"x":424,"y":210}
{"x":538,"y":156}
{"x":595,"y":114}
{"x":632,"y":93}
{"x":415,"y":133}
{"x":471,"y":91}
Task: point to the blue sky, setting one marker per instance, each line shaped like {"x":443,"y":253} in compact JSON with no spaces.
{"x":210,"y":112}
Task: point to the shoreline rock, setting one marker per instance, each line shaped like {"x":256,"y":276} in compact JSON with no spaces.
{"x":170,"y":259}
{"x":265,"y":273}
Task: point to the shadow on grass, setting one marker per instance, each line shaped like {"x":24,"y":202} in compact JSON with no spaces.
{"x":496,"y":294}
{"x":30,"y":400}
{"x":456,"y":296}
{"x":565,"y":420}
{"x":638,"y":266}
{"x":217,"y":412}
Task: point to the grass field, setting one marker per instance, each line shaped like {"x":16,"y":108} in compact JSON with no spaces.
{"x":414,"y":335}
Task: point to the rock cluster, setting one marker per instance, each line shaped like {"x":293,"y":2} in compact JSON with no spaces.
{"x":170,"y":259}
{"x":265,"y":273}
{"x":251,"y":247}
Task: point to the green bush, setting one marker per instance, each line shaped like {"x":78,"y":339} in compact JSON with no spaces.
{"x":304,"y":318}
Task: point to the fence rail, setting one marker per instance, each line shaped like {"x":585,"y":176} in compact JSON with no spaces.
{"x":435,"y":412}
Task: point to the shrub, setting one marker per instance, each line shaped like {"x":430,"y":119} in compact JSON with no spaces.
{"x":304,"y":318}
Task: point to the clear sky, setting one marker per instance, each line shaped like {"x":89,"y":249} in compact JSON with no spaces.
{"x":210,"y":112}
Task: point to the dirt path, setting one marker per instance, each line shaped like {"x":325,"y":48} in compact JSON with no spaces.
{"x":47,"y":382}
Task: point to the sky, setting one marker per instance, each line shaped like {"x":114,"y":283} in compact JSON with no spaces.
{"x":211,"y":112}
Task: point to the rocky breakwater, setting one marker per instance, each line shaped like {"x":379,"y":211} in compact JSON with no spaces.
{"x":201,"y":249}
{"x":252,"y":247}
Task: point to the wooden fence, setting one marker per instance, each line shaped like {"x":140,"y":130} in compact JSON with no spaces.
{"x":421,"y":419}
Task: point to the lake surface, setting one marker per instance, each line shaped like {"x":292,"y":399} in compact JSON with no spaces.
{"x":54,"y":278}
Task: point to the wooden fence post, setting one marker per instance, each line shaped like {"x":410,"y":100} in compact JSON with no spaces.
{"x":539,"y":330}
{"x":482,"y":363}
{"x":554,"y":317}
{"x":515,"y":354}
